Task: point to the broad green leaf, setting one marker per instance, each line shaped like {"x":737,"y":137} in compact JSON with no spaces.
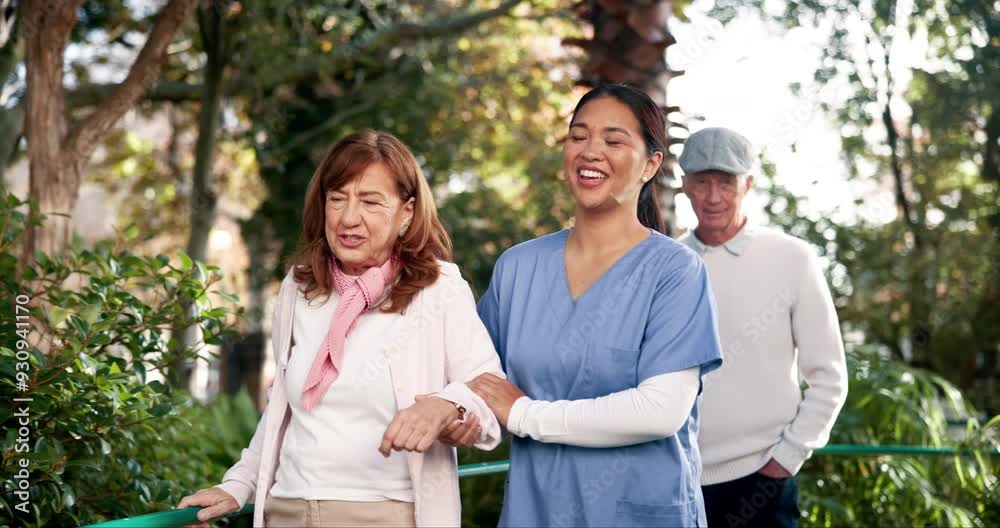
{"x":90,"y":313}
{"x":57,"y":314}
{"x":186,"y":262}
{"x":160,"y":410}
{"x":227,"y":296}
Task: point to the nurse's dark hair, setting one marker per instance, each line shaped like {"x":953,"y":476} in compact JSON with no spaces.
{"x":654,"y":132}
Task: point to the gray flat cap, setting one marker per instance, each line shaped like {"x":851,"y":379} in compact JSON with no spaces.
{"x":717,"y":149}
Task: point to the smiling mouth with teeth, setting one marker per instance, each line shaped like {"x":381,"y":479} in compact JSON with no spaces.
{"x":592,"y":174}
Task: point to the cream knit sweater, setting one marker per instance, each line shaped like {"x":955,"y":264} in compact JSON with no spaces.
{"x":778,"y":328}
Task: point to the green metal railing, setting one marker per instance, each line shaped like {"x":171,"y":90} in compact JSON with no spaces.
{"x":173,"y":518}
{"x":166,"y":519}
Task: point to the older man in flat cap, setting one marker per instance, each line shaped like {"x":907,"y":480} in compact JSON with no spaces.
{"x":778,"y":328}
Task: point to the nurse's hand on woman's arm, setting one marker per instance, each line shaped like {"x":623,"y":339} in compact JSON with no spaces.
{"x":215,"y":502}
{"x":498,"y":393}
{"x":416,"y":427}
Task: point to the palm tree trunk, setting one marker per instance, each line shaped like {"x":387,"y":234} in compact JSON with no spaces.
{"x":629,"y":46}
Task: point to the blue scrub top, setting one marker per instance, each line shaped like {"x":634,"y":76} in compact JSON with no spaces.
{"x":651,"y":313}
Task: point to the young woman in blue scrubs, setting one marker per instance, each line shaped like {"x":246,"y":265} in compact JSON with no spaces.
{"x":604,"y":330}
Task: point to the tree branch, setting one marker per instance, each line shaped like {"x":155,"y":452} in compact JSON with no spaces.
{"x":83,"y":138}
{"x":892,"y":138}
{"x":246,"y":85}
{"x":174,"y":91}
{"x":329,"y":124}
{"x":412,"y":31}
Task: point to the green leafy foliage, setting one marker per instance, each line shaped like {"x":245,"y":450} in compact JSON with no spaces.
{"x":914,"y":270}
{"x":877,"y":273}
{"x":481,"y":109}
{"x":232,"y":421}
{"x":890,"y":403}
{"x":104,"y":438}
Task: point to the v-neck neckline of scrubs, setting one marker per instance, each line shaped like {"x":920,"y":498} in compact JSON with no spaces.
{"x":565,"y":271}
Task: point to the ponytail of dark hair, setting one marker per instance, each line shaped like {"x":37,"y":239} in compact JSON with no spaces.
{"x":649,"y":206}
{"x":653,"y":123}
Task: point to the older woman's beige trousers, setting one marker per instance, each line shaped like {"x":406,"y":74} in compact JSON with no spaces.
{"x":300,"y":513}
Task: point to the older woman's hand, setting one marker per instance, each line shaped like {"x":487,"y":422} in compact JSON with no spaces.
{"x":498,"y":393}
{"x":416,"y":427}
{"x":215,"y":502}
{"x":462,"y":434}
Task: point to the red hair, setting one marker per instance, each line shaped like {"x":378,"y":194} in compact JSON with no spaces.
{"x":418,"y":251}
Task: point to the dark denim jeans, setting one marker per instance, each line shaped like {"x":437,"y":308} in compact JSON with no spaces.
{"x":752,"y":501}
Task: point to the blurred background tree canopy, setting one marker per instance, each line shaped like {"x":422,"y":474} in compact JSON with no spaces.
{"x":918,"y":274}
{"x":160,"y":135}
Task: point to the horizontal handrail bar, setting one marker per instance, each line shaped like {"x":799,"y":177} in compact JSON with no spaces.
{"x":879,"y":450}
{"x":483,"y":468}
{"x":172,"y":518}
{"x":166,"y":519}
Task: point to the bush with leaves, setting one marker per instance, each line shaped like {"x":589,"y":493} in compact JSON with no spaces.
{"x":105,"y":439}
{"x":230,"y":422}
{"x":891,"y":403}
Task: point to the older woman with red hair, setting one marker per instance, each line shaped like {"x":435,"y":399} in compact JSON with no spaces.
{"x":375,"y":334}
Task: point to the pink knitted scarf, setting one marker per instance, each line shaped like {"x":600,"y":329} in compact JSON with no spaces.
{"x":357,"y":295}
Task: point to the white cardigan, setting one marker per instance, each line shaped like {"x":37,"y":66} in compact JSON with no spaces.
{"x":442,"y":346}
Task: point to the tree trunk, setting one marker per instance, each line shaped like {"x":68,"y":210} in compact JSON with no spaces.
{"x":242,"y":360}
{"x":211,"y":27}
{"x":57,"y":153}
{"x":54,"y":189}
{"x":629,"y":46}
{"x":203,"y":198}
{"x":917,"y":295}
